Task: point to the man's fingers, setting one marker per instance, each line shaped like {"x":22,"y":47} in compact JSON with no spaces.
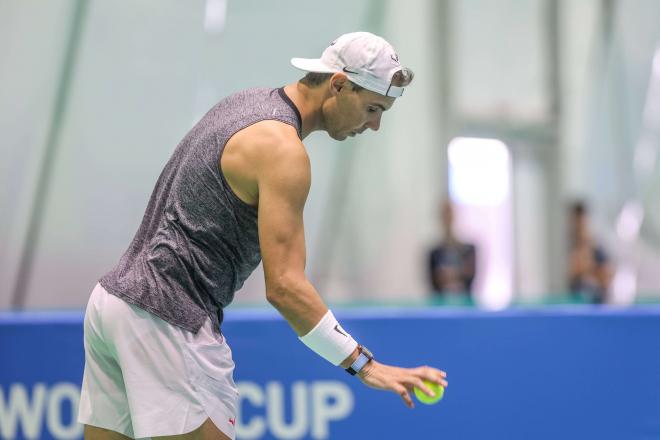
{"x":430,"y":372}
{"x":441,"y":380}
{"x":419,"y":383}
{"x":403,"y":380}
{"x":405,"y":395}
{"x":433,"y":375}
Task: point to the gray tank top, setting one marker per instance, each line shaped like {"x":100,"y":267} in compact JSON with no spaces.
{"x":198,"y":241}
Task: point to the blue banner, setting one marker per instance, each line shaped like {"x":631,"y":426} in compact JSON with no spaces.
{"x":569,"y":373}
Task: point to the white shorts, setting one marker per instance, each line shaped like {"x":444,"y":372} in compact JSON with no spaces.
{"x":145,"y":378}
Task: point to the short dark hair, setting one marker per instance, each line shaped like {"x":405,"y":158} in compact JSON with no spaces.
{"x":315,"y":79}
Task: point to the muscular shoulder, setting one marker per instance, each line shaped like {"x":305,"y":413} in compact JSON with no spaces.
{"x":273,"y":141}
{"x":265,"y":150}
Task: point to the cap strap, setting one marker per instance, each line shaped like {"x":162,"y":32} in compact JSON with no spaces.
{"x":394,"y":91}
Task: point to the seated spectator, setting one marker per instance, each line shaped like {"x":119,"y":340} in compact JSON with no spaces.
{"x":589,"y":272}
{"x":452,"y":263}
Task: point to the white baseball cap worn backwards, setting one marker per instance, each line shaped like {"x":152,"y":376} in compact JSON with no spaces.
{"x":366,"y":59}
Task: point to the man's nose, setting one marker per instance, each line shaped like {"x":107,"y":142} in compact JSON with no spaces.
{"x":374,"y":123}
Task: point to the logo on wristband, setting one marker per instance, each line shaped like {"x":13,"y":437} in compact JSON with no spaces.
{"x":338,"y":330}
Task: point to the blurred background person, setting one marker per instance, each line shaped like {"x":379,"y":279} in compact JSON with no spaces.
{"x":590,"y":271}
{"x":452,"y":263}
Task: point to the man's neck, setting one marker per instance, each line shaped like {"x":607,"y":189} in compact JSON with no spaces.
{"x":309,"y":102}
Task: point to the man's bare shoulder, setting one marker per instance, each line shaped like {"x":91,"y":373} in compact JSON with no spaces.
{"x":274,"y":138}
{"x":269,"y":142}
{"x":266,"y":148}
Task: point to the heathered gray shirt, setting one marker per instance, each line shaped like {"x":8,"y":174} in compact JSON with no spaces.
{"x":198,"y":241}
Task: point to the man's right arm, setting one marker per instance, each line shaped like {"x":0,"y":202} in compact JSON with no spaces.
{"x":283,"y":181}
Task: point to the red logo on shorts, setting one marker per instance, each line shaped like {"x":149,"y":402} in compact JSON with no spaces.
{"x":233,"y":421}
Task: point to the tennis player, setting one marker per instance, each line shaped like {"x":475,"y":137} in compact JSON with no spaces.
{"x":232,"y":195}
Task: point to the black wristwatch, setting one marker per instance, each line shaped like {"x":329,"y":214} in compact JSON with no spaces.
{"x":364,"y":357}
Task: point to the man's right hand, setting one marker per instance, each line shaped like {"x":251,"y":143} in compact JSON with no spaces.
{"x":401,"y":380}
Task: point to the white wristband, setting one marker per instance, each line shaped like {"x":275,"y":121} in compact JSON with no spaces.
{"x":329,"y":340}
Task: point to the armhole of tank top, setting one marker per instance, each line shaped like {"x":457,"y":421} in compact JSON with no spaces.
{"x":225,"y":183}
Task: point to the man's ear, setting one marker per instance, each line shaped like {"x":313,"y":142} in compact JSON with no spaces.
{"x":337,"y":82}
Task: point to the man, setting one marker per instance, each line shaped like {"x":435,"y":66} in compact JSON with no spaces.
{"x":232,"y":194}
{"x":452,"y":263}
{"x":590,"y":270}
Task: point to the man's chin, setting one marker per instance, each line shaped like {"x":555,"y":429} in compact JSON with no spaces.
{"x":338,"y":136}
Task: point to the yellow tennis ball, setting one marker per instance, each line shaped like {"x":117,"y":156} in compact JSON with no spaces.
{"x":439,"y":391}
